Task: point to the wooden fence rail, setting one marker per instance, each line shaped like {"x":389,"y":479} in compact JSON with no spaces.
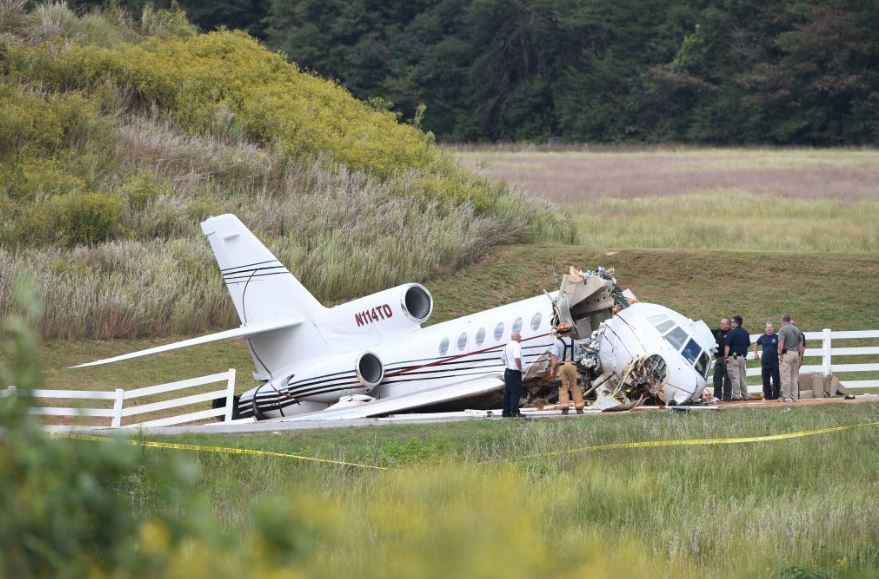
{"x":120,"y":396}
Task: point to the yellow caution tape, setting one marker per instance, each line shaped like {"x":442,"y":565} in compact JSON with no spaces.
{"x":215,"y":449}
{"x":700,"y":441}
{"x":593,"y":448}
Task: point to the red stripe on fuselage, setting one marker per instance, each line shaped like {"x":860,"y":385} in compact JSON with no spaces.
{"x":458,"y":357}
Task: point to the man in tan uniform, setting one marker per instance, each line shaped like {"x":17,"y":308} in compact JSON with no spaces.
{"x":790,"y":350}
{"x":564,"y":355}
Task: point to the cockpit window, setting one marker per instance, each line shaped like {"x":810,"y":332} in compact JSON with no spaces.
{"x":656,"y":319}
{"x":663,"y":326}
{"x":691,"y":351}
{"x":676,"y":338}
{"x":702,"y":365}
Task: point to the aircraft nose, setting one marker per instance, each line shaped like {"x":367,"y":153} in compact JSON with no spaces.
{"x":681,"y":384}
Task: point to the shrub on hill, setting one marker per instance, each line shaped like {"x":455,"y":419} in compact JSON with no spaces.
{"x":112,"y":130}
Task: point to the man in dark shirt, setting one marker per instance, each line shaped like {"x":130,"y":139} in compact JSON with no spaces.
{"x":769,"y":362}
{"x":722,"y":389}
{"x":735,"y":349}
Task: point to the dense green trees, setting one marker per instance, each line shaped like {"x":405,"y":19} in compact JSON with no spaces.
{"x":735,"y":71}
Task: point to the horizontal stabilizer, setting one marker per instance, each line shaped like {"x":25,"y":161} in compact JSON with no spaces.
{"x":251,"y":329}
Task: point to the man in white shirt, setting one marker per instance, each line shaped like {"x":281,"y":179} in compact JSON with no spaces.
{"x":564,"y":355}
{"x":512,"y":357}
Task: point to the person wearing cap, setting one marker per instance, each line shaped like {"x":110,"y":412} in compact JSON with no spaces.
{"x":564,"y":354}
{"x":735,"y":349}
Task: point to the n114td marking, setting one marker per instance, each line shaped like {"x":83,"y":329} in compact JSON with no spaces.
{"x":375,"y":314}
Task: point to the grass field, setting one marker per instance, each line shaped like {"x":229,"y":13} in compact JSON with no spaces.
{"x":733,"y":199}
{"x":460,"y":499}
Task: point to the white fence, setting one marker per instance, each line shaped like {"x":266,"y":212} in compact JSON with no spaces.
{"x":827,"y":351}
{"x":119,"y":398}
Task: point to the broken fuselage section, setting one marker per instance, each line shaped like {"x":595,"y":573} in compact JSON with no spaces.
{"x":630,"y":352}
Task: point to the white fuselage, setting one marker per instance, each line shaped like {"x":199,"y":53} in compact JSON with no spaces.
{"x":416,"y":359}
{"x":308,"y":357}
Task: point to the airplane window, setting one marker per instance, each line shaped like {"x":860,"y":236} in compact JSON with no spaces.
{"x":499,"y":331}
{"x":656,"y":319}
{"x":702,"y":365}
{"x":462,"y":341}
{"x":444,"y":347}
{"x":480,"y":336}
{"x":676,"y":338}
{"x":517,"y":325}
{"x":663,"y":326}
{"x":691,"y":351}
{"x":535,"y":321}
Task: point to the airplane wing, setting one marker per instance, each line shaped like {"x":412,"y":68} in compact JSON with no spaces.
{"x":465,"y":389}
{"x":242,"y":332}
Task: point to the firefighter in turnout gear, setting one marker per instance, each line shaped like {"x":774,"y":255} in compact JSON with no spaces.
{"x":564,"y":355}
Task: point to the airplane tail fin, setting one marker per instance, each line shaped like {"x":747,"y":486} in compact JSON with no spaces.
{"x":261,"y":287}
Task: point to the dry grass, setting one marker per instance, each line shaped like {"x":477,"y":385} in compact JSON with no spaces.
{"x":574,"y":178}
{"x":345,"y":234}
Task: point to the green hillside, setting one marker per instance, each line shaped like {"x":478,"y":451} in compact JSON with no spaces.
{"x":117,"y":137}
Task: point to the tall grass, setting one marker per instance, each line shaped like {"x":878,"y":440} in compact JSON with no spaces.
{"x":342,"y":242}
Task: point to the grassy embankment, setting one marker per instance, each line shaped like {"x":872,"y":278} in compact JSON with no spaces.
{"x":118,"y":137}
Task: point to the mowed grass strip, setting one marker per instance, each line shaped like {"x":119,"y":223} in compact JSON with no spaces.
{"x":805,"y":503}
{"x":820,"y":290}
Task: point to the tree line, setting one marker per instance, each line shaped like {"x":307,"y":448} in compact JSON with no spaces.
{"x":785,"y":72}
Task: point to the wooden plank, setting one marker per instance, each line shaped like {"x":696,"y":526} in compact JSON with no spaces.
{"x":837,"y":369}
{"x":179,"y":385}
{"x":75,"y":394}
{"x":230,"y":396}
{"x":845,"y":335}
{"x":53,"y":411}
{"x":858,"y":351}
{"x":174,"y":403}
{"x":191,"y":417}
{"x":861,"y":383}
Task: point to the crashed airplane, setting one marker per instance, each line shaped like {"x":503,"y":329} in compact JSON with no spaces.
{"x":371,"y":357}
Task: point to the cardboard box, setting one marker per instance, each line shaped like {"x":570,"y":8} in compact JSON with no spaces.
{"x":817,"y":385}
{"x":805,"y":381}
{"x":836,"y":387}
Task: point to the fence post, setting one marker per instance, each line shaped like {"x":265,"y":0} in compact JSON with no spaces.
{"x":230,"y":396}
{"x":117,"y":408}
{"x":825,"y":355}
